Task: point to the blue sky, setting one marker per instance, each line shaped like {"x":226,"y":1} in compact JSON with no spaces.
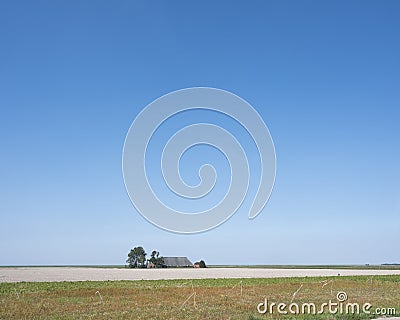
{"x":323,"y":75}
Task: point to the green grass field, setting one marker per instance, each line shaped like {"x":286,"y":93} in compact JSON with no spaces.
{"x":191,"y":299}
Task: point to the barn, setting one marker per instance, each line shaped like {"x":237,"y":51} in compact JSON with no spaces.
{"x":177,"y":262}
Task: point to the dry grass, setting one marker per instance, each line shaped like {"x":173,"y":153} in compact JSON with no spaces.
{"x":187,"y":299}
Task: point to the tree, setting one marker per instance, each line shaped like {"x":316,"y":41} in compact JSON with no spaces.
{"x":156,"y":260}
{"x":153,"y":258}
{"x":202,"y":264}
{"x":137,"y":258}
{"x":159,"y":261}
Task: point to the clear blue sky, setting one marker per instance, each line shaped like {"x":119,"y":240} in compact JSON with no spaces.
{"x":324,"y":75}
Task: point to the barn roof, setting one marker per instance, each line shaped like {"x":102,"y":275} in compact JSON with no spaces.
{"x":177,"y":262}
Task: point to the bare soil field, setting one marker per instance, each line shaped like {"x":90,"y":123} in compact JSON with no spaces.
{"x":50,"y":274}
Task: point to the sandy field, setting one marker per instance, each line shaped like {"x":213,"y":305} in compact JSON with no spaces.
{"x":42,"y":274}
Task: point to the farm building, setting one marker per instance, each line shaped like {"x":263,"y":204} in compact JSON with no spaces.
{"x":177,"y":262}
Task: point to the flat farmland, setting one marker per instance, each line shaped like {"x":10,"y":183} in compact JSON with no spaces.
{"x":51,"y":274}
{"x":188,"y":293}
{"x":230,"y":298}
